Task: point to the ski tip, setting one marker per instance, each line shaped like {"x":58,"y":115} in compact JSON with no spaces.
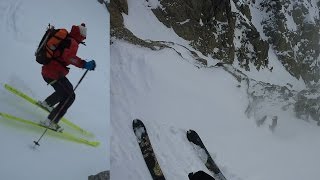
{"x":135,"y":121}
{"x":190,"y":131}
{"x":95,"y":144}
{"x":191,"y":134}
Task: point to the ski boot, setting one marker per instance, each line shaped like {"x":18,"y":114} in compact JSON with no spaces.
{"x":45,"y":105}
{"x":51,"y":125}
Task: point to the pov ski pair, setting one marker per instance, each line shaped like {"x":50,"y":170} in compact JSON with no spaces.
{"x":150,"y":157}
{"x":64,"y":135}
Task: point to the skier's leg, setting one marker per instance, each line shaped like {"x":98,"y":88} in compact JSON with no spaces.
{"x":201,"y":175}
{"x":64,"y":106}
{"x":55,"y":97}
{"x":64,"y":89}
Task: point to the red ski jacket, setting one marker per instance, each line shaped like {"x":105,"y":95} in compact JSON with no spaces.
{"x":57,"y":69}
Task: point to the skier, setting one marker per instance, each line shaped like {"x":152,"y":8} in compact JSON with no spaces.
{"x":54,"y":73}
{"x":200,"y":175}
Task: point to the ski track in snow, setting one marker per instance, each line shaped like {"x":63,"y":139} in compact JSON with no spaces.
{"x":10,"y":15}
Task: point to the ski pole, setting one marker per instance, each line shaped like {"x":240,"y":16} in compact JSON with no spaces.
{"x":37,"y":142}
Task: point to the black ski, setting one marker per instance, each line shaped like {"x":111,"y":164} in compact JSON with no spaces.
{"x":194,"y":138}
{"x":147,"y":151}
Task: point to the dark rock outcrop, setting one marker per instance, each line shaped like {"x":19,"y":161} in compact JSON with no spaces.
{"x":210,"y":26}
{"x":307,"y":105}
{"x":296,"y":46}
{"x":118,"y":30}
{"x":104,"y":175}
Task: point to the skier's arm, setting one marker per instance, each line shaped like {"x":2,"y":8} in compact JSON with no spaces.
{"x":76,"y":61}
{"x":70,"y":55}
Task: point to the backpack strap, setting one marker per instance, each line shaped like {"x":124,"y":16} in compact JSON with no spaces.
{"x":64,"y":42}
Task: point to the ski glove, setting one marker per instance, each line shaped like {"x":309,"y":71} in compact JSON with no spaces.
{"x":90,"y":65}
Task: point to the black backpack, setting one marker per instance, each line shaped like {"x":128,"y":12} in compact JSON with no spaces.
{"x":53,"y":40}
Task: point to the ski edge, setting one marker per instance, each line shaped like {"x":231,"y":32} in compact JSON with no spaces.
{"x":32,"y":101}
{"x":63,"y":135}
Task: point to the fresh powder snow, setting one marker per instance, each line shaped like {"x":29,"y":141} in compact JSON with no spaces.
{"x":171,"y":95}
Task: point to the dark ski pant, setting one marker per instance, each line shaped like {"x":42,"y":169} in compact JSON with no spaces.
{"x":200,"y":175}
{"x":64,"y":96}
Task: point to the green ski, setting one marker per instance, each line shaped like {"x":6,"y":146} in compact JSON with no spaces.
{"x":34,"y":102}
{"x":63,"y":135}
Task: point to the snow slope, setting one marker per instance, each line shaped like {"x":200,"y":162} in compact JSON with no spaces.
{"x":171,"y":96}
{"x":22,"y":25}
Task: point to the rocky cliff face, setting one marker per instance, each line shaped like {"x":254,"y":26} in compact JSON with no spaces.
{"x":208,"y":24}
{"x":118,"y":30}
{"x":292,"y":28}
{"x":212,"y":26}
{"x":223,"y":29}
